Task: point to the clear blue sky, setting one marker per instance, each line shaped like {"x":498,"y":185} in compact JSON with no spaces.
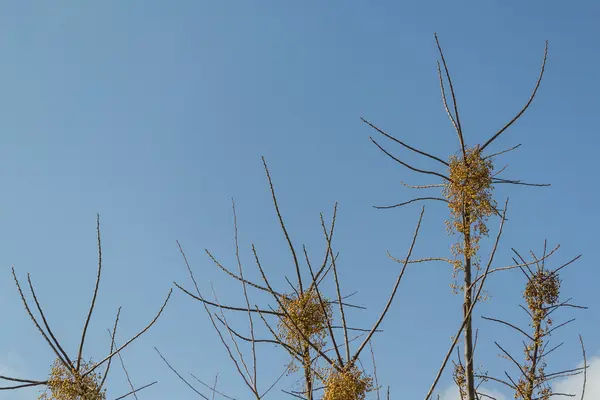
{"x":154,"y":114}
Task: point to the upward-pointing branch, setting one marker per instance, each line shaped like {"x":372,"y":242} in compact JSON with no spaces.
{"x":537,"y":85}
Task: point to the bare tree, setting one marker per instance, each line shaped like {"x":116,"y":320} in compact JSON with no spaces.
{"x":74,"y":378}
{"x":467,"y":188}
{"x":542,"y":299}
{"x":305,"y":324}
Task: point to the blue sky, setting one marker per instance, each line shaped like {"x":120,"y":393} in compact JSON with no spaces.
{"x":154,"y":114}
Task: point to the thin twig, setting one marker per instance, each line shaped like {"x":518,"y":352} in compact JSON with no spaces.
{"x":458,"y":126}
{"x":250,"y":319}
{"x":502,"y":152}
{"x":511,"y":325}
{"x":212,"y":388}
{"x":180,"y":377}
{"x":408,"y":166}
{"x":89,"y":316}
{"x":585,"y":367}
{"x":404,"y":144}
{"x":320,"y":298}
{"x":537,"y":85}
{"x":127,"y":343}
{"x":112,"y":336}
{"x":411,"y":201}
{"x":393,"y":294}
{"x":136,"y":390}
{"x":112,"y":347}
{"x":374,"y":369}
{"x":37,"y":304}
{"x":285,"y":232}
{"x":34,"y":320}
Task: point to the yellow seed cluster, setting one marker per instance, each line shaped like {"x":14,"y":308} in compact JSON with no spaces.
{"x":543,"y":289}
{"x":460,"y":378}
{"x":469,"y":193}
{"x":307,"y":314}
{"x":349,"y":384}
{"x":541,"y":292}
{"x":68,"y":384}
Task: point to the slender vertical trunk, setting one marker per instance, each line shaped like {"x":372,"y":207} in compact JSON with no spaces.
{"x":534,"y":362}
{"x":469,"y":371}
{"x":308,"y":374}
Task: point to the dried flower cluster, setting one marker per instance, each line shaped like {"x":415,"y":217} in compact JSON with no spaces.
{"x":460,"y":379}
{"x":542,"y":290}
{"x":541,"y":293}
{"x":470,"y":198}
{"x":68,"y":384}
{"x":348,"y":384}
{"x":304,"y":312}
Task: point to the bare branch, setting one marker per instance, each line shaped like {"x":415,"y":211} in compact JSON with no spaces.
{"x":127,"y":343}
{"x":411,"y":201}
{"x":286,"y":314}
{"x":524,"y":264}
{"x":211,"y":388}
{"x":444,"y":99}
{"x":408,"y":166}
{"x":585,"y":369}
{"x":537,"y":85}
{"x":62,"y":360}
{"x":89,"y":316}
{"x":337,"y":288}
{"x":24,"y":385}
{"x":457,"y":125}
{"x":320,"y":298}
{"x":136,"y":390}
{"x":517,"y":182}
{"x":511,"y":358}
{"x":434,"y":185}
{"x":133,"y":390}
{"x":509,"y":324}
{"x":37,"y":304}
{"x":374,"y":369}
{"x":502,"y":152}
{"x":180,"y":377}
{"x":112,"y":347}
{"x":559,"y":326}
{"x":228,"y":272}
{"x":420,"y":260}
{"x":404,"y":144}
{"x":250,"y":319}
{"x":393,"y":294}
{"x":287,"y":236}
{"x":210,"y":303}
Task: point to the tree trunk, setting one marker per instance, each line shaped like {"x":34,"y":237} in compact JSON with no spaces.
{"x":469,"y":370}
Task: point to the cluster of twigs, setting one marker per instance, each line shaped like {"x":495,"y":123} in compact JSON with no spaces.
{"x":75,"y":379}
{"x":312,"y":326}
{"x":467,"y":189}
{"x":304,"y":321}
{"x":542,"y":299}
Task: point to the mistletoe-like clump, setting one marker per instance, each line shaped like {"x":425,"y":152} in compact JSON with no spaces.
{"x":541,"y":293}
{"x":470,"y":194}
{"x":460,"y":379}
{"x":542,"y":290}
{"x":348,"y":384}
{"x":307,"y":314}
{"x":68,"y":384}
